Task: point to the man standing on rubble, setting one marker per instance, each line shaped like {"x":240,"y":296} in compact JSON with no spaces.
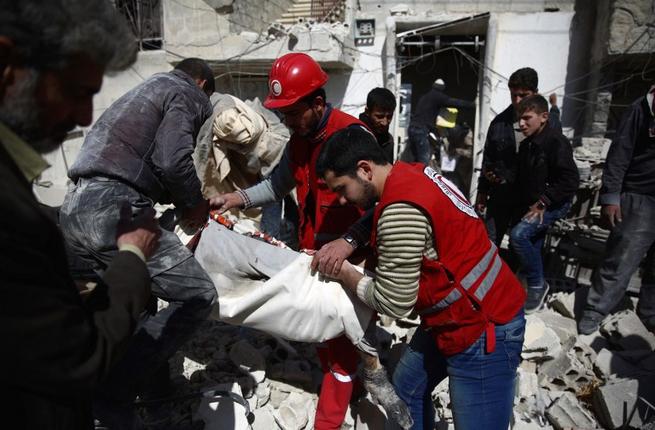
{"x":296,"y":90}
{"x":433,"y":257}
{"x":627,"y":197}
{"x":56,"y":347}
{"x":424,"y":119}
{"x":140,"y":151}
{"x":380,"y":105}
{"x":496,"y":198}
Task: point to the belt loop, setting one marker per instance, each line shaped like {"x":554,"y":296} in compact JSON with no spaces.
{"x":491,"y":337}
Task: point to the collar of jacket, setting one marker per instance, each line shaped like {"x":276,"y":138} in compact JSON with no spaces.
{"x":540,"y":138}
{"x":29,"y":161}
{"x":318,"y":135}
{"x":184,"y":76}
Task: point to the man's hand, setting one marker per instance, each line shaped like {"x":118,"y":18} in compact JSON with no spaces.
{"x":224,"y":202}
{"x":141,"y":230}
{"x":348,"y":276}
{"x":611,"y":215}
{"x":553,"y":99}
{"x":535,"y":211}
{"x":329,"y":259}
{"x":480,"y":203}
{"x":195,"y":217}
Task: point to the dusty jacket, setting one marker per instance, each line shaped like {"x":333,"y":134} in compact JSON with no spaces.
{"x":55,"y":347}
{"x":146,"y":139}
{"x":499,"y":154}
{"x":546,"y":170}
{"x":430,"y":103}
{"x":631,"y":159}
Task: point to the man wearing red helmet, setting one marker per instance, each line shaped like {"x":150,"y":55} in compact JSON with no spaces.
{"x":296,"y":90}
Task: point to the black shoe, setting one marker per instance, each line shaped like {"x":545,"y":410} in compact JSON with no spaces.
{"x":536,"y":298}
{"x":590,"y":322}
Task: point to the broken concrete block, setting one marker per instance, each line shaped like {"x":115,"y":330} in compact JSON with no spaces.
{"x":277,"y":397}
{"x":213,"y":411}
{"x":564,"y":303}
{"x":563,"y":326}
{"x":292,"y":413}
{"x":263,"y":393}
{"x":566,"y":413}
{"x":523,"y":421}
{"x":626,"y":330}
{"x":263,"y":419}
{"x":610,"y":363}
{"x":541,"y":342}
{"x":527,"y":384}
{"x":248,"y":359}
{"x":615,"y":401}
{"x":596,"y":341}
{"x":570,"y":370}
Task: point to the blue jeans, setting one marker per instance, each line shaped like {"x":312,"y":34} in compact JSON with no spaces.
{"x":481,"y":384}
{"x":419,"y":144}
{"x":527,"y":239}
{"x":88,"y":220}
{"x":626,"y":246}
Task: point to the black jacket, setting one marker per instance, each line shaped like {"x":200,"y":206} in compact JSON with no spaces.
{"x":55,"y":348}
{"x":546,"y":170}
{"x":428,"y":106}
{"x":499,"y":154}
{"x":630,"y":163}
{"x":146,"y":139}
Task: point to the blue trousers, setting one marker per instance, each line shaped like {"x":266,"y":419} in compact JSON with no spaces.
{"x":419,"y":144}
{"x":527,"y":239}
{"x":481,"y":384}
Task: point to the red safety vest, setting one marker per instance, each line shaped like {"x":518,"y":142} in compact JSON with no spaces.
{"x":469,"y":288}
{"x":322,"y":218}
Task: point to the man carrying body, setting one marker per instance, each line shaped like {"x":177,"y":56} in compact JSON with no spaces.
{"x":496,"y":198}
{"x":380,"y":104}
{"x":546,"y":182}
{"x":57,"y":347}
{"x":424,"y":118}
{"x":140,"y":150}
{"x":434,"y":257}
{"x":628,"y":207}
{"x":296,"y":91}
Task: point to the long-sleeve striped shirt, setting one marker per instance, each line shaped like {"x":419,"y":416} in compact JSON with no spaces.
{"x":404,"y":236}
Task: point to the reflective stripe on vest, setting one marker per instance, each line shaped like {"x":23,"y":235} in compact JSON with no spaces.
{"x":491,"y":258}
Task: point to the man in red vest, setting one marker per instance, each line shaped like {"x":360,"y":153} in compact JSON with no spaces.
{"x":296,"y":90}
{"x":433,"y":258}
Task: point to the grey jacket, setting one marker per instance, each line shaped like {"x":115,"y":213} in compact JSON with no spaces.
{"x":146,"y":139}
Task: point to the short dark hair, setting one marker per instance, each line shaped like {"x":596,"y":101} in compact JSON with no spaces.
{"x":536,"y":103}
{"x":345,"y":148}
{"x":309,"y":98}
{"x":381,"y":98}
{"x":524,"y":78}
{"x":198,"y":69}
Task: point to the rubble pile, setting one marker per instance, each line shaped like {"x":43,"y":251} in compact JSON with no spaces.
{"x":565,"y":380}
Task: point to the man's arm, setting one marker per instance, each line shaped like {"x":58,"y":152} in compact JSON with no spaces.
{"x":458,"y":103}
{"x":619,"y":157}
{"x":400,"y":248}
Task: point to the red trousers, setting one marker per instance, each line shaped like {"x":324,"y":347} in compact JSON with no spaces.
{"x":339,"y":361}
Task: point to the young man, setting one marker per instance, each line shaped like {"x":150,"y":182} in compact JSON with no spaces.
{"x":139,"y":151}
{"x":628,"y":207}
{"x":496,"y":195}
{"x":434,"y":258}
{"x":546,"y":181}
{"x":380,"y":105}
{"x":296,"y":90}
{"x":424,"y":118}
{"x":53,"y":56}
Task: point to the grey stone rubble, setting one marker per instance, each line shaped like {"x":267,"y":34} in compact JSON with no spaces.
{"x":565,"y":380}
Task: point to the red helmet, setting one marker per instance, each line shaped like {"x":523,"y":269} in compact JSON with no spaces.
{"x":292,"y":77}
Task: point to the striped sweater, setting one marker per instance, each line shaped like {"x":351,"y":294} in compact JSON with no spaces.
{"x":404,"y":236}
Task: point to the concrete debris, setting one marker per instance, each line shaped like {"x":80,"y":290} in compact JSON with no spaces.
{"x":264,"y":419}
{"x":609,"y":363}
{"x":565,"y":327}
{"x":570,"y":370}
{"x":564,"y":303}
{"x":292,"y":413}
{"x":567,"y":412}
{"x":615,"y":403}
{"x":540,"y":343}
{"x":625,"y":330}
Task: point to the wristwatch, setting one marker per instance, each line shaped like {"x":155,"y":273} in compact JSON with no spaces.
{"x":351,"y":240}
